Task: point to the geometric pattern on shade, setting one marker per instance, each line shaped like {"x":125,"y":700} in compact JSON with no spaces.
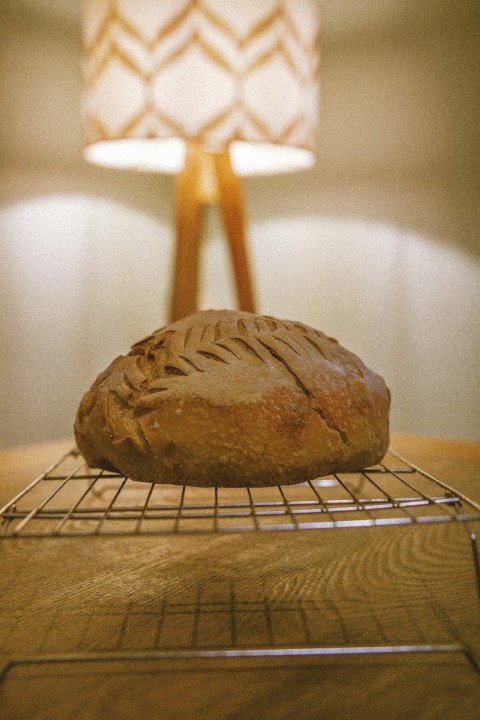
{"x":213,"y":71}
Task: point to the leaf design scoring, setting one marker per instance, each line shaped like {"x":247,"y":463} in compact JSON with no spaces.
{"x":168,"y":355}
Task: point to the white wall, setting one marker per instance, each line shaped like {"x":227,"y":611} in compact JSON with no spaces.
{"x":377,"y":245}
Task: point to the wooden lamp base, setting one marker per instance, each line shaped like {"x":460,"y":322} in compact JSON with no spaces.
{"x":207,"y":178}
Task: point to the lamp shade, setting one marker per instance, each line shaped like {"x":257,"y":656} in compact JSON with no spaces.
{"x":241,"y":74}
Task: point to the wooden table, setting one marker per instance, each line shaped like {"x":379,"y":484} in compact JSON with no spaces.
{"x":235,"y":626}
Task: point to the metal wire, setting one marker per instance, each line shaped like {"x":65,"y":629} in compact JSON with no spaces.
{"x":69,"y":501}
{"x":264,"y":652}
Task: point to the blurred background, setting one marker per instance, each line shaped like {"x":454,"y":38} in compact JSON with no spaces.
{"x":377,"y":245}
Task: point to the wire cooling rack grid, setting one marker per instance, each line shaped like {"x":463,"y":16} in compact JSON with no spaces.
{"x":69,"y":499}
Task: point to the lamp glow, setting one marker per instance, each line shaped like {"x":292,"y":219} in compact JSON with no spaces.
{"x":234,"y":81}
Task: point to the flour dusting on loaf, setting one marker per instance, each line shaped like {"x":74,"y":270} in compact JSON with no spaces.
{"x":231,"y":398}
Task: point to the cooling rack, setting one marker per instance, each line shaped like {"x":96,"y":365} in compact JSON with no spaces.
{"x":69,"y":499}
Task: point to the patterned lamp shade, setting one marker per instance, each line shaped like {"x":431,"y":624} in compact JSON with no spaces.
{"x":237,"y":74}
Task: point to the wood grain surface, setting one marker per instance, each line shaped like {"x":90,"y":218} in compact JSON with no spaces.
{"x":125,"y":627}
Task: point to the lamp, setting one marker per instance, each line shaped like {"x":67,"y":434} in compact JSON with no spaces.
{"x":209,"y":90}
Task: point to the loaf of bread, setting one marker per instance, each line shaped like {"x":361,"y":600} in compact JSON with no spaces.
{"x":234,"y":399}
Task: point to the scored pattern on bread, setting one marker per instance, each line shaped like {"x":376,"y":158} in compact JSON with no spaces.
{"x":231,"y":398}
{"x":172,"y":354}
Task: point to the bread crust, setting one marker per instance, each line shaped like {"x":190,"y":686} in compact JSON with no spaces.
{"x":234,"y":399}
